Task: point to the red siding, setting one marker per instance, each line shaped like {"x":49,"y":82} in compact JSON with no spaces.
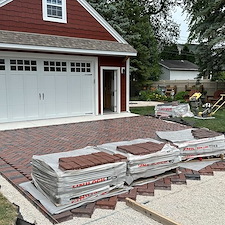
{"x":26,"y":16}
{"x":114,"y":62}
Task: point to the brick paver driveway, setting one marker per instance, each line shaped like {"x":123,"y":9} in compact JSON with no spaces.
{"x":18,"y":146}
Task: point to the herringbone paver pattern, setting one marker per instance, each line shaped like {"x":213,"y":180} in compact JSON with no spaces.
{"x":18,"y":146}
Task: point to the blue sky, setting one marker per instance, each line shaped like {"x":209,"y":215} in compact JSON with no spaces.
{"x":179,"y":17}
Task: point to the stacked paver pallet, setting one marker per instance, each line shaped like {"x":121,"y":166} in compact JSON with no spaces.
{"x":146,"y":157}
{"x":194,"y":143}
{"x":80,"y":176}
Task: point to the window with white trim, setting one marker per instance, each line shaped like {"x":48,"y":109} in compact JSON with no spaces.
{"x":54,"y":10}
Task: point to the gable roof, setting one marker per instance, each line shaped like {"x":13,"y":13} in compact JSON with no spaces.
{"x":178,"y":65}
{"x":102,"y":21}
{"x":41,"y":42}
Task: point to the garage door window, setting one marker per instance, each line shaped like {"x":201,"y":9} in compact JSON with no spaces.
{"x":80,"y":67}
{"x":23,"y":65}
{"x":55,"y":66}
{"x":2,"y":64}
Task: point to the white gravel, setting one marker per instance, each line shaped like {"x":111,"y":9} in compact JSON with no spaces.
{"x":122,"y":215}
{"x":197,"y":203}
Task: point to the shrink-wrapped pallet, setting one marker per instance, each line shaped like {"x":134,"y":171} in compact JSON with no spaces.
{"x":146,"y":157}
{"x":78,"y":177}
{"x":194,"y":143}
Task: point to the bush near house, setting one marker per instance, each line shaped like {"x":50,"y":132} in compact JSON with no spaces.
{"x":148,"y":95}
{"x":181,"y":96}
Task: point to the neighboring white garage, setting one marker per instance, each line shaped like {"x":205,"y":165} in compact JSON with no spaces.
{"x":178,"y":70}
{"x":39,"y":86}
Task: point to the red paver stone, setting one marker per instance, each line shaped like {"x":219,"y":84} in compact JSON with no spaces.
{"x":142,"y":148}
{"x":86,"y":161}
{"x":219,"y":166}
{"x":163,"y":184}
{"x":146,"y":189}
{"x":178,"y":179}
{"x":206,"y":171}
{"x":84,"y":211}
{"x":132,"y":194}
{"x":203,"y":133}
{"x":109,"y":203}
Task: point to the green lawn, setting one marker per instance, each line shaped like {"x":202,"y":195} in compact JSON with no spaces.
{"x":217,"y":124}
{"x":8,"y":212}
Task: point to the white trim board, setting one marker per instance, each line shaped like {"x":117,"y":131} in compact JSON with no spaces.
{"x":63,"y":50}
{"x":118,"y":89}
{"x":4,"y":2}
{"x":102,"y":21}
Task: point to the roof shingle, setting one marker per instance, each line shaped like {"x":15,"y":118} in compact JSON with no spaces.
{"x":43,"y":40}
{"x":178,"y":65}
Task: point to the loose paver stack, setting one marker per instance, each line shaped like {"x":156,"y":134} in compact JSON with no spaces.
{"x":195,"y":143}
{"x":146,"y":157}
{"x":80,"y":176}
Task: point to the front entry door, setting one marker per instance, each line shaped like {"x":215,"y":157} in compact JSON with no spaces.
{"x":108,"y":89}
{"x":110,"y":98}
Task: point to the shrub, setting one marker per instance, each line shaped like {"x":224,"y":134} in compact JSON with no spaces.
{"x":180,"y":96}
{"x":153,"y":96}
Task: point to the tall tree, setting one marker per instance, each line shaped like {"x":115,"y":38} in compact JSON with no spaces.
{"x":134,"y":20}
{"x":207,"y":27}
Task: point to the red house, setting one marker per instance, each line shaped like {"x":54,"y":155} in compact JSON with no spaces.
{"x":60,"y":58}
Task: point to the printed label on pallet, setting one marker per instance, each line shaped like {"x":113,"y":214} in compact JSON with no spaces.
{"x":93,"y":182}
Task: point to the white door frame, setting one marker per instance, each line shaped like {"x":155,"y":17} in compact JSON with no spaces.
{"x":118,"y":85}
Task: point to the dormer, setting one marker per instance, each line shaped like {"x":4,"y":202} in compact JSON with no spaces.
{"x":54,"y":11}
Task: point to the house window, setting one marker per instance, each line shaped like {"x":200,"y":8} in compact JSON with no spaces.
{"x":54,"y":66}
{"x":54,"y":10}
{"x":2,"y":64}
{"x":23,"y":65}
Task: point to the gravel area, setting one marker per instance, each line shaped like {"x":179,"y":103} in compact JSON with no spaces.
{"x":199,"y":202}
{"x":122,"y":215}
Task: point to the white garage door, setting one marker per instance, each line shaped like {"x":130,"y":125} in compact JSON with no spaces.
{"x":45,"y":88}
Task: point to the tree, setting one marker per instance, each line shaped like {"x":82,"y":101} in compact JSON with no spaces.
{"x":207,"y":27}
{"x":134,"y":20}
{"x":170,"y":52}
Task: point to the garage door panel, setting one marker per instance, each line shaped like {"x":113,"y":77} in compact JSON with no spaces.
{"x":31,"y":89}
{"x":16,"y":111}
{"x":2,"y":81}
{"x":61,"y":95}
{"x":15,"y":81}
{"x":3,"y":95}
{"x":48,"y":96}
{"x":86,"y":94}
{"x":74,"y":95}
